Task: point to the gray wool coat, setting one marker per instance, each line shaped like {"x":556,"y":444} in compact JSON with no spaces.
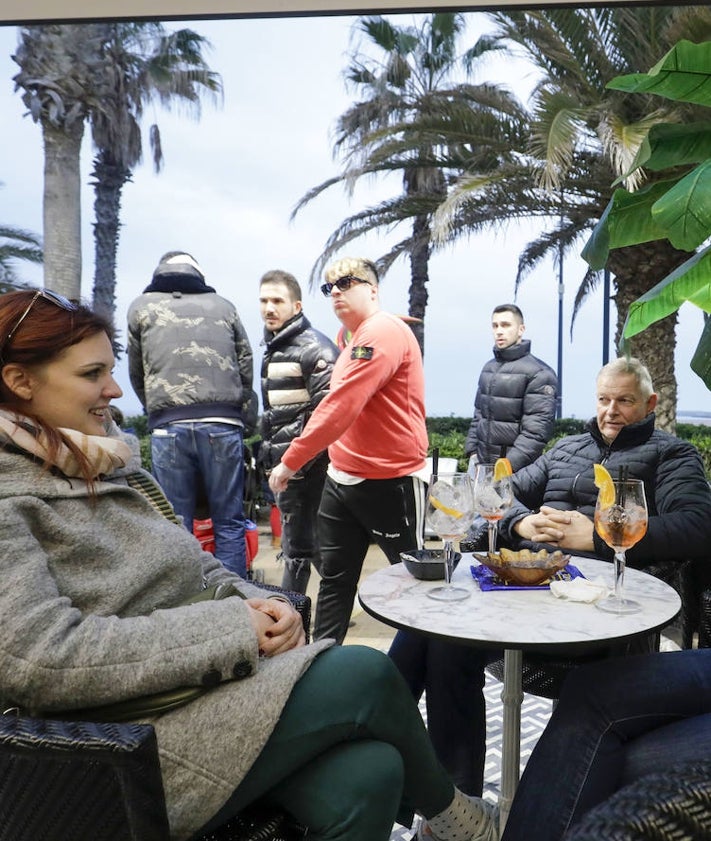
{"x":87,"y":617}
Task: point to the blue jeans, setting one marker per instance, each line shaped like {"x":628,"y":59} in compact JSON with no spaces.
{"x":616,"y":721}
{"x":298,"y":507}
{"x":187,"y":454}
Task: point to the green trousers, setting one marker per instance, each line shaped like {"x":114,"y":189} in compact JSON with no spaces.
{"x":350,"y":754}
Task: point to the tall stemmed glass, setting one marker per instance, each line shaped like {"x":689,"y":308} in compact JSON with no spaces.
{"x":492,"y":497}
{"x":621,"y":523}
{"x":450,"y":512}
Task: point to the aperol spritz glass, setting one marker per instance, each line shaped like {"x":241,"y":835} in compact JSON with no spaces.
{"x":621,"y":524}
{"x":492,"y":497}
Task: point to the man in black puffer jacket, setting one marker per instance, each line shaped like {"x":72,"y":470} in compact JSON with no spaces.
{"x":554,"y":506}
{"x":514,"y":408}
{"x":556,"y":495}
{"x":296,"y":372}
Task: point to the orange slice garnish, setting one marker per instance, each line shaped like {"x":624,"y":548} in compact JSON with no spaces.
{"x":450,"y":512}
{"x":606,"y":486}
{"x":502,"y":468}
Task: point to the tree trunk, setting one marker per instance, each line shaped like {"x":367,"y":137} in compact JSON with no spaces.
{"x":419,"y":277}
{"x":62,"y":209}
{"x":110,"y":178}
{"x":637,"y":268}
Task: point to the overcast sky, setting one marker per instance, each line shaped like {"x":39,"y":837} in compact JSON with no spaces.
{"x":231,"y":180}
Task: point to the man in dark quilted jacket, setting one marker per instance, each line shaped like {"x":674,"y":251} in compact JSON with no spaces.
{"x":555,"y":496}
{"x":554,"y":507}
{"x":515,"y":404}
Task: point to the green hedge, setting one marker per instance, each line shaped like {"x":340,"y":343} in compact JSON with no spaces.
{"x":700,"y":436}
{"x":449,"y":434}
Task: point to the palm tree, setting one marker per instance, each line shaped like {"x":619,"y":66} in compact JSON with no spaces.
{"x":103,"y":73}
{"x":58,"y":67}
{"x":143,"y":63}
{"x":582,"y":137}
{"x":413,"y":79}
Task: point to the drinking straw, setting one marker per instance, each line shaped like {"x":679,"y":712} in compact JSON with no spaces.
{"x":622,"y":475}
{"x":435,"y":461}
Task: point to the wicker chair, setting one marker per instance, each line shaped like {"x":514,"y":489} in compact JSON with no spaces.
{"x":697,"y":618}
{"x":670,"y":806}
{"x":705,"y":620}
{"x":84,"y":781}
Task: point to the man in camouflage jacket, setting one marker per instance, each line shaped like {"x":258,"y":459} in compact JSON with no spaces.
{"x":190,"y":363}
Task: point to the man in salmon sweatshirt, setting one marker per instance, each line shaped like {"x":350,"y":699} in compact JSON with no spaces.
{"x":373,"y":423}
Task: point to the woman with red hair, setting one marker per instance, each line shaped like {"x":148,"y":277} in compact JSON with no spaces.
{"x":98,"y":610}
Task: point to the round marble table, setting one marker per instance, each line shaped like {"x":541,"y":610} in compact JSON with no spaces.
{"x":515,"y":621}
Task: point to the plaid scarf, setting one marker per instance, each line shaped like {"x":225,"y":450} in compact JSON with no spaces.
{"x":104,"y":454}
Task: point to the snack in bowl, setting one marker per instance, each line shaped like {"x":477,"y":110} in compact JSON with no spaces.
{"x":427,"y":564}
{"x":523,"y":568}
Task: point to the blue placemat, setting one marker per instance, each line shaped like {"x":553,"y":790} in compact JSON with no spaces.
{"x":489,"y":580}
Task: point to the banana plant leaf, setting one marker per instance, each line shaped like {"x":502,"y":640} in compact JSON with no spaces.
{"x":673,"y":145}
{"x":684,"y":75}
{"x":627,"y":220}
{"x":701,"y":360}
{"x":689,"y":282}
{"x":684,"y":211}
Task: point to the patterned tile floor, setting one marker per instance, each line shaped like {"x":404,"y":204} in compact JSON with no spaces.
{"x":534,"y":716}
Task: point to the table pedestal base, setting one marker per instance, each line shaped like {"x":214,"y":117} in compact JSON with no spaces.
{"x":512,"y":698}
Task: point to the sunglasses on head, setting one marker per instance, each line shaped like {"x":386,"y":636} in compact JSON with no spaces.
{"x":343,"y":283}
{"x":48,"y":295}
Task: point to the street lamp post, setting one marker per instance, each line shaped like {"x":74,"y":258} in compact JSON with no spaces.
{"x":606,"y":317}
{"x":561,"y":290}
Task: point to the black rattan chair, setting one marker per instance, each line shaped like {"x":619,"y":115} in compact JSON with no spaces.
{"x":696,"y":625}
{"x":88,"y":781}
{"x":705,"y":620}
{"x":670,"y":806}
{"x":63,"y":780}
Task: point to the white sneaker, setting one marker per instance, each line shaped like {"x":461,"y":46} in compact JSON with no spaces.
{"x":488,"y":828}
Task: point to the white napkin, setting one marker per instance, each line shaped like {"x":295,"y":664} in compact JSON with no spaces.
{"x":580,"y":589}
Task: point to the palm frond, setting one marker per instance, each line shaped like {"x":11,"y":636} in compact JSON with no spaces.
{"x":589,"y":283}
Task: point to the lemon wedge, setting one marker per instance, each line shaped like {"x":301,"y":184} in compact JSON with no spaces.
{"x":450,"y":512}
{"x":604,"y":482}
{"x":502,"y":468}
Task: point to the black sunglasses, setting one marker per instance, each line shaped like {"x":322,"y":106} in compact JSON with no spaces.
{"x":48,"y":295}
{"x":343,"y":283}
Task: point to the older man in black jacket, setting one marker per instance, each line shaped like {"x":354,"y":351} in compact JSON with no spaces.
{"x":555,"y":502}
{"x":555,"y":496}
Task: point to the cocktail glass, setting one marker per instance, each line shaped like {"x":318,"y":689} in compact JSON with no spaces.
{"x":491,"y":498}
{"x":450,"y":512}
{"x":621,"y":524}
